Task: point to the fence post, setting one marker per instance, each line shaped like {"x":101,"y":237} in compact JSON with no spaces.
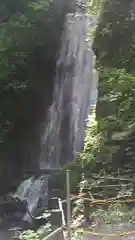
{"x":86,"y":208}
{"x":105,"y":180}
{"x":68,"y":204}
{"x":119,"y":181}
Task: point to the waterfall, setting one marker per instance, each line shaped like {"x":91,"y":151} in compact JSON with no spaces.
{"x":62,"y":134}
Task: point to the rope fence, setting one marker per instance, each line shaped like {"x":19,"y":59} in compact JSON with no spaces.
{"x":69,"y":228}
{"x":99,"y":201}
{"x":83,"y":230}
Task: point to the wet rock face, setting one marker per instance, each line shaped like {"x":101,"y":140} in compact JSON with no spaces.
{"x":23,"y":147}
{"x":12,"y":207}
{"x":12,"y":211}
{"x":63,"y":135}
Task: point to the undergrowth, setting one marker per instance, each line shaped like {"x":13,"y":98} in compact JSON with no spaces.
{"x":115,"y":214}
{"x":41,"y":233}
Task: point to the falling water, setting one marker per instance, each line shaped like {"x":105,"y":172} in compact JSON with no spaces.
{"x":62,"y":135}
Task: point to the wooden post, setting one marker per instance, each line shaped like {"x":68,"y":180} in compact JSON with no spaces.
{"x":87,"y":208}
{"x":68,"y":204}
{"x":119,"y":181}
{"x":105,"y":179}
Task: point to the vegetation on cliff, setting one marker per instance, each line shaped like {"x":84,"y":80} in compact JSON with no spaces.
{"x":114,"y":125}
{"x":30,"y":33}
{"x":109,"y":141}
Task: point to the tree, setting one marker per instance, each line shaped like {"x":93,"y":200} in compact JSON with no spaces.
{"x":27,"y":29}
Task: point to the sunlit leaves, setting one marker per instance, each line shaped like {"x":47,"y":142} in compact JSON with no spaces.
{"x":94,"y":7}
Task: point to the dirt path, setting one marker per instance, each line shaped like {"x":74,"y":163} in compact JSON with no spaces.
{"x":107,"y":228}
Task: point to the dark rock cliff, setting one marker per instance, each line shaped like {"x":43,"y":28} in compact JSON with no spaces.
{"x":22,"y":147}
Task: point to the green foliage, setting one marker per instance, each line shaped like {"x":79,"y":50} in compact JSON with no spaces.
{"x":77,"y":236}
{"x":109,"y":138}
{"x":29,"y":30}
{"x":112,"y":144}
{"x":41,"y":233}
{"x":115,"y":36}
{"x":30,"y":235}
{"x":116,"y":115}
{"x":110,"y":141}
{"x":116,"y":92}
{"x":94,"y":7}
{"x":91,"y":143}
{"x":115,"y":214}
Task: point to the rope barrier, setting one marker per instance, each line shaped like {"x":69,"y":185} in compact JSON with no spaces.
{"x":81,"y":230}
{"x":99,"y":201}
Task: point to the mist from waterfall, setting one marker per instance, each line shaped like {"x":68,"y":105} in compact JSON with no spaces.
{"x":75,"y":91}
